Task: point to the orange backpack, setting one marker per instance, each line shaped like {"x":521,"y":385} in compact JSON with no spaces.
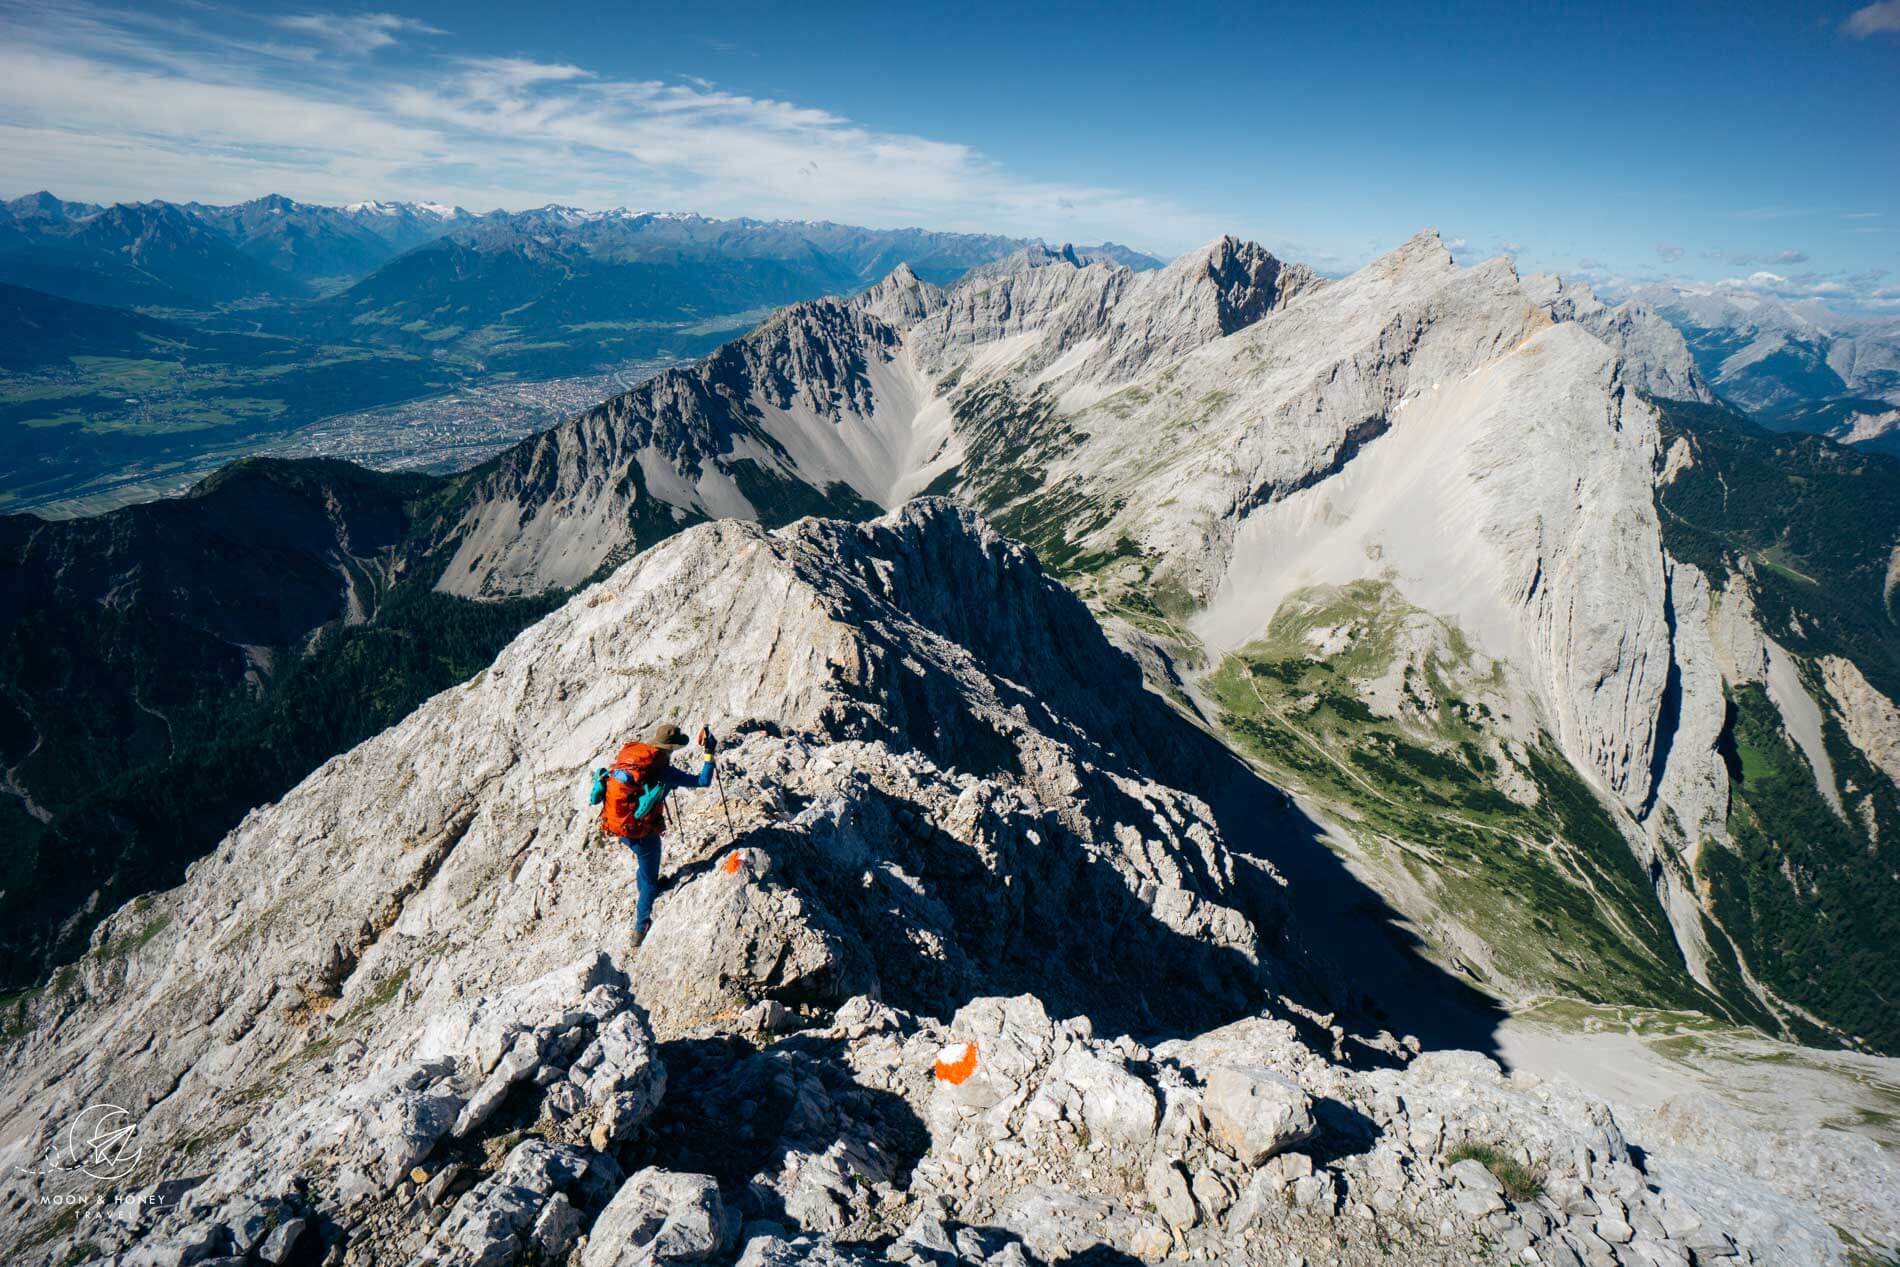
{"x":638,"y":771}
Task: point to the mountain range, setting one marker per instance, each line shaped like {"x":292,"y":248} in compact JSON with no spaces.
{"x":1286,"y":674}
{"x":1427,"y":544}
{"x":298,"y":312}
{"x":191,"y":255}
{"x":1794,"y":366}
{"x":194,"y":255}
{"x":1248,"y":469}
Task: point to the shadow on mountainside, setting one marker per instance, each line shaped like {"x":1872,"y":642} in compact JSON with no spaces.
{"x":1344,"y":942}
{"x":925,"y":923}
{"x":735,"y":1111}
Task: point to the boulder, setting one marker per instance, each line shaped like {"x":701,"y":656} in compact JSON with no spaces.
{"x":403,"y":1120}
{"x":1168,"y":1191}
{"x":281,"y":1241}
{"x":658,"y":1215}
{"x":1255,"y":1112}
{"x":1117,"y":1109}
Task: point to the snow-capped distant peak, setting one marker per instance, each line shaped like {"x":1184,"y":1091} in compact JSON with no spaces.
{"x":377,"y":207}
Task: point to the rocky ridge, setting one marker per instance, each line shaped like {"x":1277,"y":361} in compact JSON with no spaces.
{"x":1197,"y":444}
{"x":973,"y":982}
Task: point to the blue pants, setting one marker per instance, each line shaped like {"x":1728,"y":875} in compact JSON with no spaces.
{"x":646,"y":877}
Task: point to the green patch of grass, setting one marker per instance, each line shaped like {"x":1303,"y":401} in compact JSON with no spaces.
{"x":17,"y":391}
{"x":14,"y":1011}
{"x":68,"y":418}
{"x":381,"y":995}
{"x":1521,"y":1182}
{"x":1386,"y":714}
{"x":1861,"y":1254}
{"x":126,"y":945}
{"x":130,"y":376}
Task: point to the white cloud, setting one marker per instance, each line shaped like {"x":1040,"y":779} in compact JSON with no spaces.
{"x":1669,"y":251}
{"x":1804,"y":286}
{"x":1875,"y":19}
{"x":1791,"y":257}
{"x":357,"y":33}
{"x":100,"y":104}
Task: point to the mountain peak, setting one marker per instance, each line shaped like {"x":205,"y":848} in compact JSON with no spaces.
{"x":48,"y":206}
{"x":1423,"y":247}
{"x":1244,"y":280}
{"x":901,"y":298}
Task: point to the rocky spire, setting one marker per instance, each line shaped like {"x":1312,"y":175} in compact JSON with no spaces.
{"x":902,"y":298}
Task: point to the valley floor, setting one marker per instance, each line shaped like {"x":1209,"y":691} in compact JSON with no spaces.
{"x":451,"y":431}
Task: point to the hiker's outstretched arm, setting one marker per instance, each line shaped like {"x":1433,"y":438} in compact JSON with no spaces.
{"x":679,"y":778}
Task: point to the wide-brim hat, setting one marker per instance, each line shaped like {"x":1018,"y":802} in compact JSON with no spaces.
{"x":669,"y":736}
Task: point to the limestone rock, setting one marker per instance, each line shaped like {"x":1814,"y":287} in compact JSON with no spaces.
{"x":660,"y":1216}
{"x":1256,"y":1112}
{"x":938,"y":765}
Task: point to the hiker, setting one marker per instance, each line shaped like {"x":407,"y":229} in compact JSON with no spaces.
{"x":632,"y":798}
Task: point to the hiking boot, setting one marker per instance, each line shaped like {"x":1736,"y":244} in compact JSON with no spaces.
{"x":638,"y":939}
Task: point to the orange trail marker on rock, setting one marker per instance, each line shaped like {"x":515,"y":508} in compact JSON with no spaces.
{"x":734,"y":861}
{"x":956,"y":1064}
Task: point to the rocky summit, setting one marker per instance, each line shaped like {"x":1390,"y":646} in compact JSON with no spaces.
{"x":972,"y":973}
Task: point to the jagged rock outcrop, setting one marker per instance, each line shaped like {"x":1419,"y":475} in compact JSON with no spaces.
{"x":395,"y":1018}
{"x":1655,"y":358}
{"x":1870,"y":718}
{"x":901,"y":299}
{"x":832,"y":406}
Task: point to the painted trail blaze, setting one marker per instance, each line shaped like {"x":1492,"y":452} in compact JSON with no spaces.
{"x":734,"y":861}
{"x":956,"y":1064}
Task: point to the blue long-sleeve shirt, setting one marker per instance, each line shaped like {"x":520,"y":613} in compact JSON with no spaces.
{"x":679,"y":778}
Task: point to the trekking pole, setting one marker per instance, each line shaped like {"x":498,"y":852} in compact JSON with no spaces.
{"x":733,"y":836}
{"x":721,"y":785}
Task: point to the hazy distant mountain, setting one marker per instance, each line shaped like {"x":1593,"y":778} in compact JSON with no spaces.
{"x":1799,"y":366}
{"x":567,"y":261}
{"x":194,"y":255}
{"x":41,"y":329}
{"x":561,"y":289}
{"x":136,"y":254}
{"x":43,"y":207}
{"x":316,"y":244}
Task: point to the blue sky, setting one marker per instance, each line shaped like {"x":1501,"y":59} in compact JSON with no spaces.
{"x":1748,"y":145}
